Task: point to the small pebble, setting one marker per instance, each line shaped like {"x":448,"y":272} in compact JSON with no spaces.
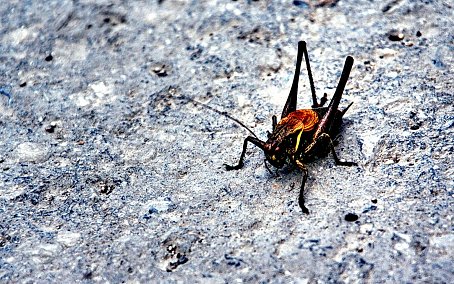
{"x":351,"y":217}
{"x":160,"y":70}
{"x":51,"y":127}
{"x":396,"y":36}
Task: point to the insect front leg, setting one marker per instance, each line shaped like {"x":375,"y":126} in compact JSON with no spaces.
{"x":325,"y":138}
{"x":254,"y":141}
{"x":301,"y":196}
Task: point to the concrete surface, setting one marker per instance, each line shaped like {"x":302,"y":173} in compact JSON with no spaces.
{"x":108,"y":174}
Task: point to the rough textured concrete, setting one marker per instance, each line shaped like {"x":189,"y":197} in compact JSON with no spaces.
{"x":108,"y":174}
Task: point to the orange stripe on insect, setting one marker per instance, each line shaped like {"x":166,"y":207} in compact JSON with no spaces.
{"x":307,"y":118}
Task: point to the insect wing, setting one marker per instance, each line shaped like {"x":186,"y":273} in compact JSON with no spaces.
{"x":300,"y":120}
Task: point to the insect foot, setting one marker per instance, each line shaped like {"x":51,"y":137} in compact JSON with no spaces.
{"x":231,"y":168}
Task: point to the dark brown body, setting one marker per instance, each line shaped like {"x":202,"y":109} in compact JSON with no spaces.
{"x":302,"y":135}
{"x":296,"y":132}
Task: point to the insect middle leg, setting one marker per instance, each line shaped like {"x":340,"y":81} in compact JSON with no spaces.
{"x":254,"y":141}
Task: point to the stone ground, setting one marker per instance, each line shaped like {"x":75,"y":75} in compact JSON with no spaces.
{"x":108,"y":173}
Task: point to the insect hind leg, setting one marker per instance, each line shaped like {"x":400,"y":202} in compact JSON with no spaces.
{"x":324,"y":137}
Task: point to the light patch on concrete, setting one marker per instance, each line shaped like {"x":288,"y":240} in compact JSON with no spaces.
{"x":370,"y":141}
{"x":31,"y":152}
{"x":70,"y":52}
{"x":269,"y":61}
{"x":19,"y":35}
{"x":159,"y":204}
{"x":68,"y":239}
{"x":97,"y":94}
{"x":277,"y":96}
{"x":41,"y":253}
{"x":142,"y":154}
{"x":11,"y":192}
{"x":443,"y":241}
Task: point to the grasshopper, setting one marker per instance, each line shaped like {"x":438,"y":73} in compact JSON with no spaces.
{"x":303,"y":134}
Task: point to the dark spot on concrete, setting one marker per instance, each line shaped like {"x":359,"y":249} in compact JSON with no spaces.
{"x":23,"y":84}
{"x":50,"y":128}
{"x":161,"y":70}
{"x":351,"y":217}
{"x":233,"y":261}
{"x":418,"y":34}
{"x":327,"y":3}
{"x":49,"y":58}
{"x":181,"y":259}
{"x":153,"y":210}
{"x":438,"y":63}
{"x":107,"y":187}
{"x":370,"y":208}
{"x":389,"y":6}
{"x":301,"y":4}
{"x":88,"y":275}
{"x":394,"y":36}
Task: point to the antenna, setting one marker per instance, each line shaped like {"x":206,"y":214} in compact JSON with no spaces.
{"x":223,"y":113}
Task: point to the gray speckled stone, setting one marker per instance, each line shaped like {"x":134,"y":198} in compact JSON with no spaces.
{"x":108,"y":174}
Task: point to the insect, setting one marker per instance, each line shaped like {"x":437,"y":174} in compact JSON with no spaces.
{"x":302,"y":135}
